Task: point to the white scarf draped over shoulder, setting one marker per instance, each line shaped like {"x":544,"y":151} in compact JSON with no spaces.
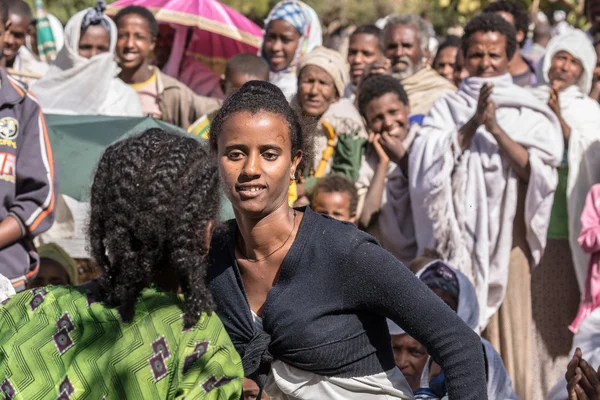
{"x":582,"y":114}
{"x":464,"y":202}
{"x":79,"y":86}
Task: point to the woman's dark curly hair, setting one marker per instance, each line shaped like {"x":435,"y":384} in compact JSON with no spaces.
{"x":490,"y":22}
{"x":152,"y":199}
{"x":253,"y":97}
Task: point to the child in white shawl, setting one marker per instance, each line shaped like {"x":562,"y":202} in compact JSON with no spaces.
{"x":458,"y":293}
{"x":87,"y":84}
{"x":482,"y":178}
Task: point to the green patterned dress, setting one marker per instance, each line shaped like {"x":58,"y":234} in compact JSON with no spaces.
{"x":58,"y":343}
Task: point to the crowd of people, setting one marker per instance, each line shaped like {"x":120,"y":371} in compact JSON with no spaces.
{"x":415,"y":215}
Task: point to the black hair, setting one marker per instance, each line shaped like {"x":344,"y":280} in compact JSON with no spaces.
{"x":152,"y":199}
{"x":254,"y":97}
{"x":141,"y":12}
{"x":367,"y":30}
{"x":451,"y":41}
{"x":378,"y":85}
{"x":428,"y":255}
{"x":247,"y":64}
{"x":515,"y":9}
{"x":4,"y":12}
{"x":337,"y":184}
{"x":491,"y":22}
{"x":20,"y":8}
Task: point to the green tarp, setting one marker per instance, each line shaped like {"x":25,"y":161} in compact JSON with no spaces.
{"x":79,"y":141}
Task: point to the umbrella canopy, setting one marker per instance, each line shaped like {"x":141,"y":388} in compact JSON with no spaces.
{"x":78,"y":142}
{"x":45,"y":38}
{"x":219,"y":31}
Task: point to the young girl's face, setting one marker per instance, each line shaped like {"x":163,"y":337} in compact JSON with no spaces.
{"x":335,"y":204}
{"x":256,"y":162}
{"x":280,"y":44}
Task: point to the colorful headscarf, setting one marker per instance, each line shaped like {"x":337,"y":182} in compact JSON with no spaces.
{"x":95,"y":16}
{"x":306,"y":21}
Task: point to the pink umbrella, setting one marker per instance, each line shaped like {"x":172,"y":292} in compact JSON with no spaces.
{"x":220,"y":33}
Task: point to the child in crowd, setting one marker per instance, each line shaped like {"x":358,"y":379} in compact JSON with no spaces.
{"x":161,"y":96}
{"x":240,"y":69}
{"x":27,"y":182}
{"x":336,"y":196}
{"x":386,"y":213}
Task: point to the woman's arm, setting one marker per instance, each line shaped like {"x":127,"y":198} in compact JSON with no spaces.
{"x":377,"y":281}
{"x":589,"y":238}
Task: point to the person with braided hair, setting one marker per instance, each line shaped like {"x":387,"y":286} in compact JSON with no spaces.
{"x":145,"y":328}
{"x":304,"y":297}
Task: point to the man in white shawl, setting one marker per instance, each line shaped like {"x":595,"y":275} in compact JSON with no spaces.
{"x":83,"y":79}
{"x":455,"y":289}
{"x":386,"y":213}
{"x":482,"y":178}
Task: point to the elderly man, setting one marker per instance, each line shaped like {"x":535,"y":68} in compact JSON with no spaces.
{"x":405,"y":43}
{"x":482,"y":176}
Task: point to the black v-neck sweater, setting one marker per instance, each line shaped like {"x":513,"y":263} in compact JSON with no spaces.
{"x":326,"y":313}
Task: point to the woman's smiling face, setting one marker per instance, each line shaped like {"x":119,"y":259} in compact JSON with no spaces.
{"x":256,"y":161}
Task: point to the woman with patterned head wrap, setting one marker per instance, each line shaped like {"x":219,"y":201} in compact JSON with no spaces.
{"x":292,"y":30}
{"x":83,"y":78}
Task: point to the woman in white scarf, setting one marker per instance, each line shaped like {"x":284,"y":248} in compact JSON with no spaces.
{"x":83,"y":79}
{"x":566,"y":71}
{"x":292,"y":30}
{"x":482,"y":178}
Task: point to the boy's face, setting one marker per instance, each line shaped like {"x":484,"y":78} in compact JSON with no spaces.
{"x":236,"y":80}
{"x":364,"y":49}
{"x":14,"y":36}
{"x":336,"y":205}
{"x":134,"y":41}
{"x":387,"y":114}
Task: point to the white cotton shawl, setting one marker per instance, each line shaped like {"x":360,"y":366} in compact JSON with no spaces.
{"x":582,"y":114}
{"x":81,"y":86}
{"x":464,"y":203}
{"x":393,"y":226}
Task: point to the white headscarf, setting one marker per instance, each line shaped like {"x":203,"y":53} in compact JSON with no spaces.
{"x":78,"y":85}
{"x":577,"y":44}
{"x":306,"y":21}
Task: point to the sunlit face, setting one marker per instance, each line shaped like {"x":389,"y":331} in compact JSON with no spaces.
{"x":95,"y":40}
{"x":134,"y":41}
{"x":486,"y":55}
{"x":256,"y":162}
{"x":316,"y":91}
{"x":410,"y":357}
{"x":508,"y":17}
{"x":51,"y":273}
{"x":280,"y":44}
{"x":403,"y":48}
{"x":15,"y":36}
{"x":445,"y":62}
{"x":363,"y":50}
{"x":565,"y":70}
{"x":335,"y":204}
{"x":387,"y":114}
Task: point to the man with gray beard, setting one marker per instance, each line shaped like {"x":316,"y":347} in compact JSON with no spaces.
{"x":405,"y":41}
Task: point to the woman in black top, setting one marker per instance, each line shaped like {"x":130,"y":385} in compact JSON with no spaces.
{"x":304,"y":297}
